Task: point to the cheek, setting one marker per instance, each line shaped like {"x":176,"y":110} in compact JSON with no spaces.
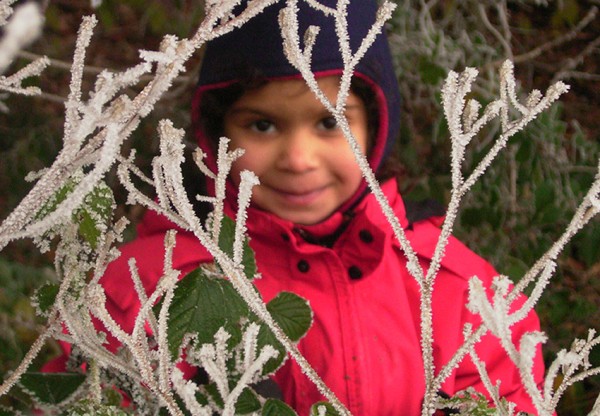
{"x":347,"y":166}
{"x":251,"y":160}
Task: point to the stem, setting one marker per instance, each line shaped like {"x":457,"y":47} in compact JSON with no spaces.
{"x":27,"y":360}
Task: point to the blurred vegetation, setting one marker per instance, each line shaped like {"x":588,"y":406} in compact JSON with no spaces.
{"x":517,"y":210}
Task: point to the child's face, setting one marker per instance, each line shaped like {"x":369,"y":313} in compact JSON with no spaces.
{"x":305,"y":166}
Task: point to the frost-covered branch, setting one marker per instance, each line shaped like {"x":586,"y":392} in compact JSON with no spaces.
{"x":48,"y":332}
{"x":22,"y":29}
{"x":214,"y":357}
{"x":574,"y":365}
{"x":300,"y":59}
{"x":502,"y":408}
{"x":465,"y":122}
{"x":174,"y":201}
{"x":96,"y":130}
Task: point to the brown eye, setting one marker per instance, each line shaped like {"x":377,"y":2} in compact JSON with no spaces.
{"x":262,"y":126}
{"x":328,"y":123}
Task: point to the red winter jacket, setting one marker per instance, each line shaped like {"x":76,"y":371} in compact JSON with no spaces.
{"x":364,"y":341}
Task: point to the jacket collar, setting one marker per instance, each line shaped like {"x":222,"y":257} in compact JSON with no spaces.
{"x":264,"y":224}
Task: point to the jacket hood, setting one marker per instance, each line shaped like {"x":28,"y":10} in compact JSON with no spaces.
{"x":257,"y":48}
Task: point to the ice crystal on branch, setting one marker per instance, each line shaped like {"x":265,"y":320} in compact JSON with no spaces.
{"x":22,"y":29}
{"x":69,"y":203}
{"x":465,"y":122}
{"x":214,"y":357}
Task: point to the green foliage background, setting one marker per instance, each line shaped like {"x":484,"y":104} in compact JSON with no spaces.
{"x":512,"y":216}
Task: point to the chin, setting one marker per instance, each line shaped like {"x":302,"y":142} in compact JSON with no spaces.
{"x":305,"y":219}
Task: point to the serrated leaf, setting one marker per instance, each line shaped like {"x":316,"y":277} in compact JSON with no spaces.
{"x":94,"y":213}
{"x":96,"y":209}
{"x":329,"y":409}
{"x":274,"y":407}
{"x":51,"y":388}
{"x":55,"y":200}
{"x":88,"y":229}
{"x":266,"y":337}
{"x":226,"y":239}
{"x":87,"y":407}
{"x":294,"y":317}
{"x":247,"y":402}
{"x":292,"y":313}
{"x":213,"y":392}
{"x":46,"y":295}
{"x":201,"y":305}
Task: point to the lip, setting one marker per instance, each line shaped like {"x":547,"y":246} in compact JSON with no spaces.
{"x":300,"y":198}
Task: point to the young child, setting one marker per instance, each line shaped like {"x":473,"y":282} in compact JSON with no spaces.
{"x":318,"y":231}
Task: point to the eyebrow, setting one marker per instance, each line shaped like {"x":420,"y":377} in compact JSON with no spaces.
{"x":353,"y":107}
{"x":261,"y":112}
{"x":234,"y":111}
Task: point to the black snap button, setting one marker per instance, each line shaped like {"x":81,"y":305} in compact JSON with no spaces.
{"x":365,"y":236}
{"x":303,"y":266}
{"x":285,"y":237}
{"x":355,"y":272}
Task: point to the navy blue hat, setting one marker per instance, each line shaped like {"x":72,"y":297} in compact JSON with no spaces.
{"x":257,"y":48}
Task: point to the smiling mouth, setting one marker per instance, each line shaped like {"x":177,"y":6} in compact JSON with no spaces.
{"x":299,"y":198}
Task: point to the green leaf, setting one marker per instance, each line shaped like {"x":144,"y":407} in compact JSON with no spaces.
{"x":329,"y":409}
{"x":212,"y":390}
{"x":471,"y":403}
{"x":88,"y":229}
{"x":87,"y":407}
{"x":55,"y":200}
{"x":266,"y":337}
{"x":247,"y":402}
{"x":46,"y":295}
{"x":51,"y":388}
{"x":274,"y":407}
{"x":94,"y":214}
{"x":201,"y":305}
{"x":111,"y":396}
{"x":226,"y":239}
{"x":91,"y":216}
{"x":4,"y":411}
{"x":294,"y":316}
{"x":292,"y":313}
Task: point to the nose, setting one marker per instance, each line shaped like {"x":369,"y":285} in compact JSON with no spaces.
{"x":298,"y":152}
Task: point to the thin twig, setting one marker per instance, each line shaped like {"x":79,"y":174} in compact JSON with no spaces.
{"x":559,"y":40}
{"x":28,"y":358}
{"x":96,"y":70}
